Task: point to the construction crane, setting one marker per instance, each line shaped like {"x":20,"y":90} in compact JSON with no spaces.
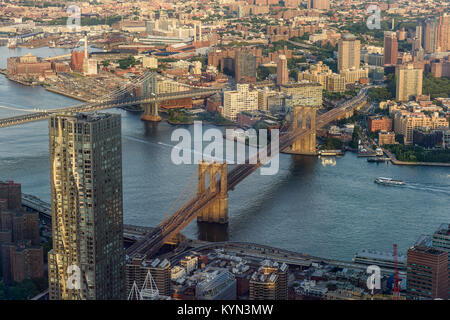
{"x":396,"y":293}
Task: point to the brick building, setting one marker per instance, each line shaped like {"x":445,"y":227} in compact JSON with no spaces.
{"x":427,"y":273}
{"x":379,"y":124}
{"x":20,"y":250}
{"x":386,"y":138}
{"x":28,"y":65}
{"x":77,"y":60}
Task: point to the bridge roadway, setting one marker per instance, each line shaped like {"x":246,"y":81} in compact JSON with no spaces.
{"x":153,"y":241}
{"x":131,"y":233}
{"x":101,"y":105}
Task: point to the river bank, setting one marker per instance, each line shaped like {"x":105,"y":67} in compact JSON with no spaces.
{"x":407,"y":163}
{"x":327,"y":209}
{"x":14,"y":79}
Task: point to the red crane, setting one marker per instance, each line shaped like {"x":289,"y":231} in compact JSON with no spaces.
{"x":396,"y":294}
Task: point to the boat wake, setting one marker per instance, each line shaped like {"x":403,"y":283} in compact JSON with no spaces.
{"x":423,"y":187}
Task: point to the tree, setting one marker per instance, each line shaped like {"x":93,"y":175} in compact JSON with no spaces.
{"x":127,"y":62}
{"x":391,"y":84}
{"x":263,"y":72}
{"x":400,"y":138}
{"x":436,"y":87}
{"x":22,"y":291}
{"x":333,"y":144}
{"x":380,"y":94}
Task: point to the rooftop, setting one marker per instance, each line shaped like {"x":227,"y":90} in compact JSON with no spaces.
{"x":428,"y":250}
{"x":443,"y":229}
{"x":86,"y":117}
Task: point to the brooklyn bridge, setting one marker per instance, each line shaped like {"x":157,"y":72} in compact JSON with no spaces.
{"x":210,"y":204}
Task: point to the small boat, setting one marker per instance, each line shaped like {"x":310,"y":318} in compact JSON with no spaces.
{"x":389,"y":181}
{"x":377,"y":159}
{"x":326,"y":153}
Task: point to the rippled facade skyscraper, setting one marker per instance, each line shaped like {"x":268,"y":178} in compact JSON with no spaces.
{"x":87,"y":260}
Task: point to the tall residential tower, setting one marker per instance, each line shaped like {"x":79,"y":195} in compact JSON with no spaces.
{"x":349,"y":52}
{"x":282,"y":70}
{"x":390,"y":48}
{"x":408,"y":82}
{"x":87,"y":260}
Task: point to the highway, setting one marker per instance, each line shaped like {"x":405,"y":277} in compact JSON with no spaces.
{"x":258,"y":251}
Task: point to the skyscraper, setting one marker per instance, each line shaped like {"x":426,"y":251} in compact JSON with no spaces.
{"x":390,"y":48}
{"x":418,"y":37}
{"x":87,"y":260}
{"x":408,"y":82}
{"x":427,"y":274}
{"x":318,"y":4}
{"x":441,"y":241}
{"x":245,"y":67}
{"x":444,"y":33}
{"x":349,"y":52}
{"x":282,"y":70}
{"x":430,"y":35}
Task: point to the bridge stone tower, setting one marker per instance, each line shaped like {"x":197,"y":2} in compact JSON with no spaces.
{"x":304,"y":117}
{"x":150,"y":88}
{"x":216,"y":211}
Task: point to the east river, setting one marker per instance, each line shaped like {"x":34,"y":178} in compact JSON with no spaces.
{"x":324,"y":209}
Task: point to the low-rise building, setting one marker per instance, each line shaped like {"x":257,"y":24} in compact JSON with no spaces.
{"x":377,"y":123}
{"x":386,"y":138}
{"x":405,"y":122}
{"x":150,"y":62}
{"x":216,"y":284}
{"x":137,"y":269}
{"x":353,"y":75}
{"x":269,"y":282}
{"x":427,"y":138}
{"x":311,"y":92}
{"x":28,"y":65}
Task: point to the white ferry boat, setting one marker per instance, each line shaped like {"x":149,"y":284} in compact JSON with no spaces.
{"x":389,"y":181}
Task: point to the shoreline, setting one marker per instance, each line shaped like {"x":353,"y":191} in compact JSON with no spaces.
{"x":406,"y":163}
{"x":174,"y":123}
{"x":393,"y":159}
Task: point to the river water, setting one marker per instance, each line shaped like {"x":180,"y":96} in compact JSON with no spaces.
{"x":324,"y":208}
